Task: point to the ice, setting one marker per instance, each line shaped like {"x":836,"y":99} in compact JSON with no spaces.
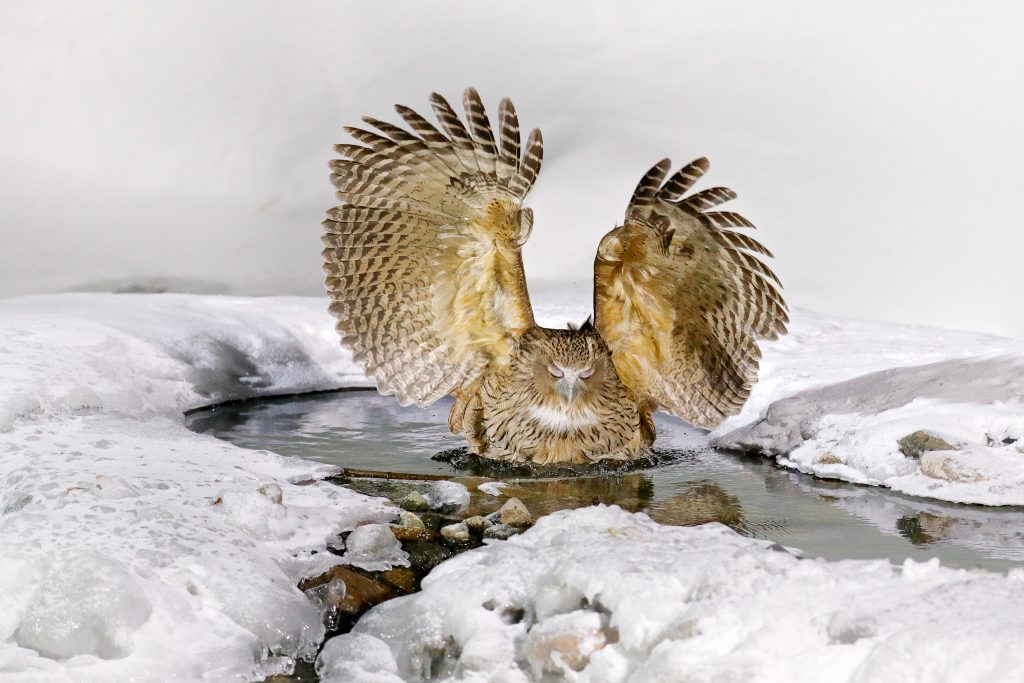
{"x":491,"y":488}
{"x":448,"y":496}
{"x":374,"y":548}
{"x":598,"y":594}
{"x":85,"y":605}
{"x":356,"y":658}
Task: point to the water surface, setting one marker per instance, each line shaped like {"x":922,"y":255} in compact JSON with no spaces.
{"x":361,"y":430}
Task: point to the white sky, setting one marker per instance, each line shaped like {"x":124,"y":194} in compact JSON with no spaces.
{"x":879,"y":146}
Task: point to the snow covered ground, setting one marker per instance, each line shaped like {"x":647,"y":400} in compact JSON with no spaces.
{"x":836,"y":396}
{"x":601,"y":595}
{"x":134,"y":548}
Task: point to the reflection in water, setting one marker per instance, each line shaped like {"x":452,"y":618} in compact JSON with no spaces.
{"x":691,"y":484}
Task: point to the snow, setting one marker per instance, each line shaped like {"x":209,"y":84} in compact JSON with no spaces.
{"x":136,"y":549}
{"x":835,"y":397}
{"x":571,"y":596}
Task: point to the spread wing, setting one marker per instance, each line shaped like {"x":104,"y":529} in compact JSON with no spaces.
{"x":422,"y":258}
{"x":681,"y":298}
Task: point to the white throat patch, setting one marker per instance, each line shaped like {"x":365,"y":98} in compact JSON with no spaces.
{"x":560,"y":420}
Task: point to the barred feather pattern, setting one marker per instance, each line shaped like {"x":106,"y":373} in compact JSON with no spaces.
{"x":681,"y":298}
{"x":518,"y":418}
{"x":422,"y":256}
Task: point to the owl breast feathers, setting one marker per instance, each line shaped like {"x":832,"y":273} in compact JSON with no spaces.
{"x":424,"y":269}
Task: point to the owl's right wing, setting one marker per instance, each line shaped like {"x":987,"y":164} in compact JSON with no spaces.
{"x":422,"y":258}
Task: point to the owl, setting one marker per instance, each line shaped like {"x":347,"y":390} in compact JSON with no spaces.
{"x":425,"y":274}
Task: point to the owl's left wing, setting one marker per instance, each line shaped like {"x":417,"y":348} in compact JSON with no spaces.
{"x":681,"y":299}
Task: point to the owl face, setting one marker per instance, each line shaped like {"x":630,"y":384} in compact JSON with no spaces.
{"x":568,"y":367}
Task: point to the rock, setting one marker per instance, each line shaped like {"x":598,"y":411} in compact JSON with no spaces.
{"x":405,"y":533}
{"x":477,"y":524}
{"x":448,"y":497}
{"x":914,"y":445}
{"x":514,"y":513}
{"x":564,"y":641}
{"x":435,"y":520}
{"x":425,"y":556}
{"x":500,"y":532}
{"x":456,"y":533}
{"x":273,"y":492}
{"x":414,"y":502}
{"x":343,"y":603}
{"x":939,"y":466}
{"x":828,"y":459}
{"x":410,"y":520}
{"x":402,"y":578}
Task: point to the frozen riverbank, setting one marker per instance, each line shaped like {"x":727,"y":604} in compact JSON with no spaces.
{"x":167,"y":554}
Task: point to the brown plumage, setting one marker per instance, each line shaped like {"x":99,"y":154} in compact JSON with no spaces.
{"x":425,"y":274}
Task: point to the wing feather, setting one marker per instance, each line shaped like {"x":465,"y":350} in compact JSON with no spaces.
{"x":681,"y":299}
{"x":422,"y":259}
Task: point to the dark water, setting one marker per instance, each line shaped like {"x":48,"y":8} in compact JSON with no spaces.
{"x":697,"y":484}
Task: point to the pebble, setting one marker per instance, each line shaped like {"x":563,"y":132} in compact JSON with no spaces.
{"x":410,"y":520}
{"x":500,"y":532}
{"x":477,"y":524}
{"x":414,"y":502}
{"x":405,"y":533}
{"x":514,"y":513}
{"x":458,"y":533}
{"x":273,"y":492}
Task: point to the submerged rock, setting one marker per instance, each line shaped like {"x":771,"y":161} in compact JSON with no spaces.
{"x":424,"y":556}
{"x":500,"y":532}
{"x":478,"y":524}
{"x":514,"y":513}
{"x":456,"y":533}
{"x":410,"y":520}
{"x":914,"y":445}
{"x":414,"y":502}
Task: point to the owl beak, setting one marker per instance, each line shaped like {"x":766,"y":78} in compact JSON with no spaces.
{"x":569,"y":386}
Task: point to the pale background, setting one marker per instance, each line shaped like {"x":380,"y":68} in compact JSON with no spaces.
{"x":878,"y":145}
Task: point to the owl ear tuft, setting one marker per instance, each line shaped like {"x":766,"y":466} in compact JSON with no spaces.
{"x":587,"y":326}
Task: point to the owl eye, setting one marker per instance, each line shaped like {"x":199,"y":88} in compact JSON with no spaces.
{"x":589,"y":372}
{"x":555,"y":372}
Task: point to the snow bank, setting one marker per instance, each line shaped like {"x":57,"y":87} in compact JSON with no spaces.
{"x":601,"y":595}
{"x":835,"y":397}
{"x":134,"y":548}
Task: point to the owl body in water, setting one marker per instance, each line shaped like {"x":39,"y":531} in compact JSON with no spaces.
{"x":423,"y":267}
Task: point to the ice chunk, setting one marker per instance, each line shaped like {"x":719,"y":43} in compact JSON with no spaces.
{"x":357,"y":658}
{"x":87,"y":605}
{"x":373,"y":547}
{"x":448,"y":496}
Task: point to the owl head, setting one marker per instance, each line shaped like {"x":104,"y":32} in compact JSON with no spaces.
{"x":566,"y":366}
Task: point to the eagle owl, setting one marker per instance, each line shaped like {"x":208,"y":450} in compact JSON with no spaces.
{"x":425,"y":275}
